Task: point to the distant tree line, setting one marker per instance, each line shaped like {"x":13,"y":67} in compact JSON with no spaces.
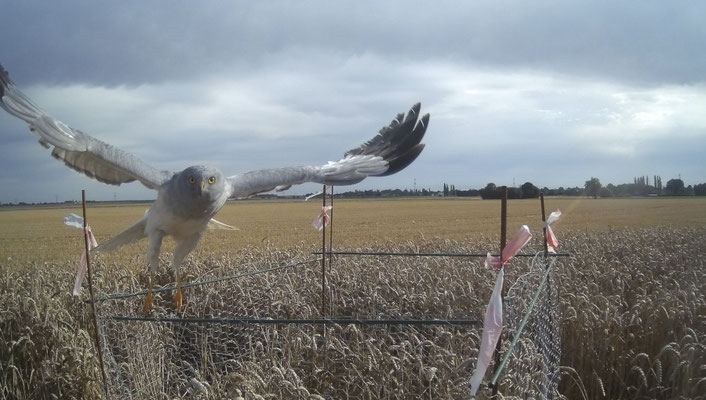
{"x":641,"y":186}
{"x":526,"y":191}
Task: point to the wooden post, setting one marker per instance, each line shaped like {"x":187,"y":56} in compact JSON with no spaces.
{"x":503,"y":242}
{"x":99,"y":344}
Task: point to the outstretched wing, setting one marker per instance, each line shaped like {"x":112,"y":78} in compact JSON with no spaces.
{"x":394,"y":148}
{"x":77,"y":150}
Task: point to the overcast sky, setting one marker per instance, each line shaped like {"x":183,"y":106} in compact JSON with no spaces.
{"x":548,"y":92}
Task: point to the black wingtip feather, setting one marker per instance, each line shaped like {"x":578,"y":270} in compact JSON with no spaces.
{"x":399,"y":142}
{"x":414,"y":137}
{"x":4,"y":80}
{"x":397,"y":164}
{"x":397,"y":137}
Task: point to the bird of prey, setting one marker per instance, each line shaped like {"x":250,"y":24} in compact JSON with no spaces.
{"x":187,"y":200}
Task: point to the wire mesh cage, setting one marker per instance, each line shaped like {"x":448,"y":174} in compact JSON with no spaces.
{"x":402,"y":329}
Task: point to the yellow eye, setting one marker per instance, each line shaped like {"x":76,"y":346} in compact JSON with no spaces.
{"x":192,"y":179}
{"x":212,"y":180}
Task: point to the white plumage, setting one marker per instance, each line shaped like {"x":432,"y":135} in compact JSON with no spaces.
{"x":187,"y":200}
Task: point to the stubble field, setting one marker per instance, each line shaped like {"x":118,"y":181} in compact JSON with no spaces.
{"x":632,"y":296}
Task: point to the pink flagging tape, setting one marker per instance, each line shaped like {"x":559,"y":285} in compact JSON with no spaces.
{"x":552,"y":242}
{"x":321,"y":220}
{"x":493,"y":324}
{"x":492,"y":328}
{"x":83,"y":265}
{"x":75,"y":221}
{"x":511,"y":249}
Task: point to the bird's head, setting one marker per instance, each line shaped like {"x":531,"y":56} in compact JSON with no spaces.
{"x":202,"y":182}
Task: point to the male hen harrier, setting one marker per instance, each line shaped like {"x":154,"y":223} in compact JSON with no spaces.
{"x":187,"y":200}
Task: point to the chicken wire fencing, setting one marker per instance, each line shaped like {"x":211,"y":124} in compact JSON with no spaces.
{"x":261,"y":336}
{"x":533,"y":315}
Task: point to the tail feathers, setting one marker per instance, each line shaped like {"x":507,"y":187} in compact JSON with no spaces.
{"x":129,"y":235}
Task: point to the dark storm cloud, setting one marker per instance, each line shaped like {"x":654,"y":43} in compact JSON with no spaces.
{"x":650,"y":42}
{"x":558,"y":91}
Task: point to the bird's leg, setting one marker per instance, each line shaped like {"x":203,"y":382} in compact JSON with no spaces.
{"x":153,"y":249}
{"x":182,"y":249}
{"x":177,"y":296}
{"x":147,"y":307}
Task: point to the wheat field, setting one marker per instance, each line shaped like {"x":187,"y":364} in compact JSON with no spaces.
{"x":357,"y":223}
{"x":632,"y":295}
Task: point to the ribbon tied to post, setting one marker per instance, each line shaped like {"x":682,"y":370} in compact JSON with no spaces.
{"x":510,"y":250}
{"x":493,"y":323}
{"x":321,"y":220}
{"x":552,"y":242}
{"x":75,"y":221}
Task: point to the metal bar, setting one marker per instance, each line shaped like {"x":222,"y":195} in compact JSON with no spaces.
{"x":548,"y":265}
{"x":392,"y":254}
{"x":503,"y":219}
{"x":293,"y":321}
{"x":323,"y":288}
{"x":121,"y":296}
{"x":503,"y":242}
{"x":99,"y":344}
{"x":330,"y":234}
{"x":544,"y":225}
{"x":323,"y":258}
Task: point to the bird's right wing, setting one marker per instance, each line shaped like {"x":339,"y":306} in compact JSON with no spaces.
{"x":394,"y":148}
{"x":81,"y":152}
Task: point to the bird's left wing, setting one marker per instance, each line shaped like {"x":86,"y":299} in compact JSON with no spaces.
{"x":85,"y":154}
{"x":394,"y":148}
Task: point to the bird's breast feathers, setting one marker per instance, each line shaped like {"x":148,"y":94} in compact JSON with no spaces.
{"x":161,"y":218}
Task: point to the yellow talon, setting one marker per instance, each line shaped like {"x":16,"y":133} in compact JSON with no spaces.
{"x":147,"y":307}
{"x":177,"y":296}
{"x":177,"y":299}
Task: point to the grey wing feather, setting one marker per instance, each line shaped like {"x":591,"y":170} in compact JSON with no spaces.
{"x":394,"y":148}
{"x":265,"y":180}
{"x":77,"y":150}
